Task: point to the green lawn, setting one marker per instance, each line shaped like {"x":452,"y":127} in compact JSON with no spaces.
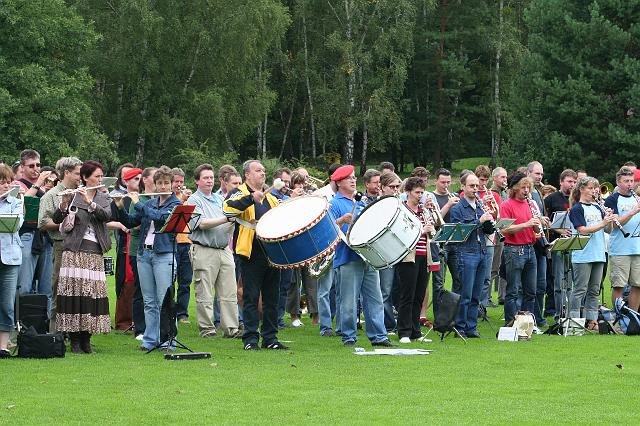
{"x":551,"y":379}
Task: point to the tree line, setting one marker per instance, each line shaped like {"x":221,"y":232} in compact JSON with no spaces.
{"x":420,"y":82}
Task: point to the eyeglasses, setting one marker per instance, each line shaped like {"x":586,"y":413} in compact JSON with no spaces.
{"x":394,"y":186}
{"x":32,"y":166}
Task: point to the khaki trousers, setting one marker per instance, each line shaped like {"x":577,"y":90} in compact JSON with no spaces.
{"x":214,"y":270}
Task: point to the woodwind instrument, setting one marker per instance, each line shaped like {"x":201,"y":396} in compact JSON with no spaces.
{"x":604,"y":209}
{"x":14,"y":191}
{"x":75,"y":191}
{"x":485,"y":209}
{"x":535,"y":213}
{"x":148,"y":194}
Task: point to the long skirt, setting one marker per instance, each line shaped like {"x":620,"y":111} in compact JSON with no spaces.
{"x":82,"y":294}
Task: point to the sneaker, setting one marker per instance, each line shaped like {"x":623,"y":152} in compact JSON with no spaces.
{"x":404,"y":340}
{"x":536,"y":330}
{"x":297,"y":323}
{"x":234,"y":334}
{"x":208,"y":334}
{"x":391,"y":333}
{"x":139,"y":337}
{"x":328,"y":333}
{"x":4,"y":353}
{"x":275,"y":345}
{"x":184,"y":320}
{"x":349,"y":343}
{"x":251,"y":347}
{"x":385,"y":343}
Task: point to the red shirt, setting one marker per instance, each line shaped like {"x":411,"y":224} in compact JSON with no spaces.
{"x":521,"y":212}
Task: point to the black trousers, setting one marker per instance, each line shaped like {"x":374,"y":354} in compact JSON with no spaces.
{"x":413,"y":284}
{"x":260,"y":278}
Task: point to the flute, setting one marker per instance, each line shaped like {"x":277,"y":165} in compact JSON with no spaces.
{"x":148,"y":194}
{"x":75,"y":191}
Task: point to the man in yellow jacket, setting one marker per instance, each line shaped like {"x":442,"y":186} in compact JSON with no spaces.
{"x":247,"y":205}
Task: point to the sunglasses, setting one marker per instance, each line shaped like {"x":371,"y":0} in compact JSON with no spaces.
{"x":394,"y":186}
{"x":32,"y":166}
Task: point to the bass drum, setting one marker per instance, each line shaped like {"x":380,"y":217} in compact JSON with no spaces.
{"x":385,"y":232}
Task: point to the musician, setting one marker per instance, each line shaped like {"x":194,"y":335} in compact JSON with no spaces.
{"x":355,"y":276}
{"x":224,"y":175}
{"x":155,"y":251}
{"x":386,"y":166}
{"x":471,"y":255}
{"x":184,"y":269}
{"x":559,"y":202}
{"x":535,"y":172}
{"x":31,"y":185}
{"x":69,"y":170}
{"x":413,"y":273}
{"x":499,"y":185}
{"x":519,"y":254}
{"x":247,"y":205}
{"x":284,"y":174}
{"x":125,"y":285}
{"x":624,"y":253}
{"x":213,"y":265}
{"x":588,"y":264}
{"x":372,"y":186}
{"x":492,"y":201}
{"x":10,"y":258}
{"x":390,"y":185}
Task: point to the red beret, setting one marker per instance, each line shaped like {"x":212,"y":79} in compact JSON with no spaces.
{"x":131,"y":173}
{"x":342,"y":172}
{"x":636,"y":175}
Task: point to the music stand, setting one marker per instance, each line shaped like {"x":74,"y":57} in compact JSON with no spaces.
{"x":178,"y":223}
{"x":565,"y":246}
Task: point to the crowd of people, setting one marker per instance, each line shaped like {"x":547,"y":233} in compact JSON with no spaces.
{"x":57,"y":247}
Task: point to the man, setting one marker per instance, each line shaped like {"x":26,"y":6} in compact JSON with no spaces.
{"x":624,"y":253}
{"x":31,"y":185}
{"x":535,"y":172}
{"x":519,"y":253}
{"x":355,"y":277}
{"x":224,"y":172}
{"x":372,"y":186}
{"x":499,"y":177}
{"x":68,"y":169}
{"x":184,"y":270}
{"x":213,"y":265}
{"x":559,"y":202}
{"x":491,"y":202}
{"x":248,"y":204}
{"x":386,"y":166}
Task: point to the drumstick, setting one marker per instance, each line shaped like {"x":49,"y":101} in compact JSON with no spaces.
{"x":278,"y":184}
{"x":356,"y":197}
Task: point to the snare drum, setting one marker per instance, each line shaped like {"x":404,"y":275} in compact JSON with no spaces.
{"x":297,"y":232}
{"x":385,"y":232}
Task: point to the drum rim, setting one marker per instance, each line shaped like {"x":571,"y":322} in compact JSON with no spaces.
{"x":375,"y":237}
{"x":327,"y":251}
{"x":293,"y":234}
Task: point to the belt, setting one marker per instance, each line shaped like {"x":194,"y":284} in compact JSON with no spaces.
{"x":519,"y":245}
{"x":148,"y":247}
{"x":203,"y":245}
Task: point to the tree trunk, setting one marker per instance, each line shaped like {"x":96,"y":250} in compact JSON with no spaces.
{"x":365,"y":142}
{"x":140,"y":143}
{"x":349,"y":136}
{"x":309,"y":97}
{"x":287,"y":127}
{"x":496,"y":142}
{"x":264,"y":135}
{"x":437,"y":155}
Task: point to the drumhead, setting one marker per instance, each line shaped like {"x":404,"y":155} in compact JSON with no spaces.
{"x":373,"y":219}
{"x":291,"y":216}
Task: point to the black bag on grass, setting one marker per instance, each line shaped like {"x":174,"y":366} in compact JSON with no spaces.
{"x":34,"y":345}
{"x":33,"y":311}
{"x":168,"y":324}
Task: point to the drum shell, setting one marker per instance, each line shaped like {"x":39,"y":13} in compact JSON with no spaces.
{"x":305,"y":247}
{"x":393,"y":242}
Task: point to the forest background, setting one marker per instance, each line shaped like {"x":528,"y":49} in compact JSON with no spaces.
{"x":415,"y":82}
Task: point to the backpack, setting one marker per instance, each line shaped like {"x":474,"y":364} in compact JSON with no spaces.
{"x":444,"y":317}
{"x":628,"y":319}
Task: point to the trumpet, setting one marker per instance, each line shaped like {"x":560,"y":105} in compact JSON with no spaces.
{"x":452,"y":194}
{"x":485,"y":209}
{"x":606,"y":188}
{"x":75,"y":191}
{"x":604,"y":209}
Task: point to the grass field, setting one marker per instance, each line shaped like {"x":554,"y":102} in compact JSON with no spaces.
{"x":551,"y":379}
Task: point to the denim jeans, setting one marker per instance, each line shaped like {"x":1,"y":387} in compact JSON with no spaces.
{"x":541,"y":287}
{"x":185,"y":276}
{"x":486,"y":285}
{"x":473,"y":275}
{"x":8,"y":286}
{"x":387,"y":277}
{"x":586,"y":289}
{"x":356,"y":279}
{"x":325,"y":312}
{"x":154,"y":271}
{"x":521,"y":269}
{"x":44,"y":271}
{"x":28,"y":266}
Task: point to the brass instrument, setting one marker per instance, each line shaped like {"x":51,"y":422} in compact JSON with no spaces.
{"x":485,"y":209}
{"x":431,"y":219}
{"x":535,"y":213}
{"x":436,"y":214}
{"x":606,"y":188}
{"x":604,"y":209}
{"x":313,"y":183}
{"x":452,"y":194}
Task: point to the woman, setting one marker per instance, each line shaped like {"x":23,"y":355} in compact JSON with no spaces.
{"x":82,"y":303}
{"x":471,"y":255}
{"x":588,"y":218}
{"x":10,"y":257}
{"x":413,"y":273}
{"x":155,"y":251}
{"x":390,"y":186}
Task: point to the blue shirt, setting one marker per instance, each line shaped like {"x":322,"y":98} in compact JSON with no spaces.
{"x":10,"y":243}
{"x":618,"y":245}
{"x":464,"y":212}
{"x":582,"y":214}
{"x":341,"y":205}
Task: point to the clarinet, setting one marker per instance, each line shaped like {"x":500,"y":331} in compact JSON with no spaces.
{"x":485,"y":209}
{"x":538,"y":229}
{"x":604,"y":208}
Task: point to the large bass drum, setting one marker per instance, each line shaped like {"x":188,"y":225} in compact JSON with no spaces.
{"x":385,"y":232}
{"x":298,"y":232}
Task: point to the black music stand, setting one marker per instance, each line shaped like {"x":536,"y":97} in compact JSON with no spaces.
{"x":178,"y":223}
{"x":565,"y":246}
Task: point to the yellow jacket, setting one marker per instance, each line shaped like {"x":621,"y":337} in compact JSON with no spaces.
{"x":241,"y":204}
